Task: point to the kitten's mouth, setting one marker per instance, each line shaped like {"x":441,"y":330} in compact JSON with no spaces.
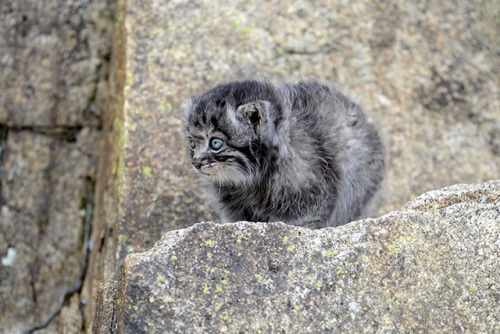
{"x":208,"y":170}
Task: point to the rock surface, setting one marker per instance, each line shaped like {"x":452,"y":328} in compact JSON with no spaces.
{"x":427,"y":73}
{"x":432,"y":267}
{"x":54,"y":59}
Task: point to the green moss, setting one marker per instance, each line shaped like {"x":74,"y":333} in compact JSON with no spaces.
{"x":218,"y":289}
{"x":224,"y":281}
{"x":318,"y":283}
{"x":160,"y":278}
{"x":246,"y":30}
{"x":285,"y":239}
{"x":238,"y":241}
{"x":258,"y":276}
{"x":206,"y":289}
{"x":146,"y":171}
{"x":174,"y":258}
{"x":290,"y":249}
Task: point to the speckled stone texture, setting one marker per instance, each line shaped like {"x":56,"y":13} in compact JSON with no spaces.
{"x":426,"y":72}
{"x":54,"y":58}
{"x":432,"y":267}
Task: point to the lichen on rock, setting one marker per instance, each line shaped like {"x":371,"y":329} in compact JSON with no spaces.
{"x":430,"y":267}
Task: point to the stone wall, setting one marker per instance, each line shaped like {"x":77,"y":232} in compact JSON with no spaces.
{"x":54,"y":58}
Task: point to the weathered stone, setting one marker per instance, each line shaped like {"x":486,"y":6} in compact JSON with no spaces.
{"x":42,"y":188}
{"x":103,"y":261}
{"x":53,"y":68}
{"x":71,"y":317}
{"x":424,"y":72}
{"x":428,"y":75}
{"x":52,"y":60}
{"x":432,"y":267}
{"x":106,"y":307}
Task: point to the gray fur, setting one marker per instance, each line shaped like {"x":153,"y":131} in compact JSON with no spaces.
{"x":299,"y":153}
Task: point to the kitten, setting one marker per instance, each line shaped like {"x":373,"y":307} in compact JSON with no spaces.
{"x":298,"y":153}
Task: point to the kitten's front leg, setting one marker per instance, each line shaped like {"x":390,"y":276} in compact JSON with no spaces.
{"x":311,"y":222}
{"x":314,"y":224}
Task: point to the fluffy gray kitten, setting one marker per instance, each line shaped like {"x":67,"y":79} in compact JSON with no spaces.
{"x":298,"y":153}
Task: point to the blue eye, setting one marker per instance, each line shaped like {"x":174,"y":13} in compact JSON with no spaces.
{"x":216,"y":144}
{"x":192,"y":143}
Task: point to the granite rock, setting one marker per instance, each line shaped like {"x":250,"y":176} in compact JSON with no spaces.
{"x":431,"y":267}
{"x":53,"y":68}
{"x":53,"y":58}
{"x":426,"y":73}
{"x":45,"y":185}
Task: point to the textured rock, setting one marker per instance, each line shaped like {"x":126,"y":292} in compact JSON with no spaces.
{"x":43,"y":183}
{"x":103,"y":260}
{"x":53,"y":68}
{"x":106,"y":308}
{"x":53,"y":54}
{"x":427,"y":73}
{"x":432,"y":267}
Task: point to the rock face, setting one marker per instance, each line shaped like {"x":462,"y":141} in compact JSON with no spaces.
{"x":54,"y":59}
{"x":427,"y":73}
{"x":432,"y":267}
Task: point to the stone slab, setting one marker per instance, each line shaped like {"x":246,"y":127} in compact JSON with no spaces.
{"x":432,"y":269}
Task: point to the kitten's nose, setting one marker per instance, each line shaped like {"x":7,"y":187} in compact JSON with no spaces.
{"x":196,"y":164}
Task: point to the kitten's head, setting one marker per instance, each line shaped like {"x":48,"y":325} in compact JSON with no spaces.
{"x":231,"y":131}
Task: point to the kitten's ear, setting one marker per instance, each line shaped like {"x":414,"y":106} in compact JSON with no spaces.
{"x":188,"y":105}
{"x":254,"y":113}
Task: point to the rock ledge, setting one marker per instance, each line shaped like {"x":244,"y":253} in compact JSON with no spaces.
{"x":431,"y":267}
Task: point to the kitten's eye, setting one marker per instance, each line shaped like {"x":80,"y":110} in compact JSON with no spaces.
{"x":216,"y":144}
{"x":192,"y":143}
